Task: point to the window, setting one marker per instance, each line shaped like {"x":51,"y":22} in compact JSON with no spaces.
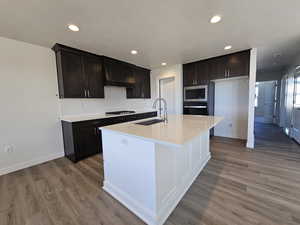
{"x":297,"y":91}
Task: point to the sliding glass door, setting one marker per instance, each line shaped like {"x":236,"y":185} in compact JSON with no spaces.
{"x":296,"y":108}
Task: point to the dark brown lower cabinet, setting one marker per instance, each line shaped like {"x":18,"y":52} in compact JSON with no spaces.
{"x":88,"y":140}
{"x":83,"y":139}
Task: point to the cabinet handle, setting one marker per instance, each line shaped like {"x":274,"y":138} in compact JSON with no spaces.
{"x":228,"y":72}
{"x":88,"y":91}
{"x":85,"y":93}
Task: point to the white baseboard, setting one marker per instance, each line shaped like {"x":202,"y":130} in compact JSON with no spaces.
{"x":30,"y":163}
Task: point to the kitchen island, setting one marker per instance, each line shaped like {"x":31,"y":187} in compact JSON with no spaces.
{"x":149,"y":168}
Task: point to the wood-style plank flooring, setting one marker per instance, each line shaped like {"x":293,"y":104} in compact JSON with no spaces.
{"x":270,"y":137}
{"x":236,"y":187}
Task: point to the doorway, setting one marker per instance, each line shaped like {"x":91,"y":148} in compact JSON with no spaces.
{"x":167,"y":91}
{"x":266,"y":102}
{"x":273,"y":114}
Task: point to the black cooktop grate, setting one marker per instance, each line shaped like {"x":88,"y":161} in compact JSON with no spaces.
{"x":119,"y":112}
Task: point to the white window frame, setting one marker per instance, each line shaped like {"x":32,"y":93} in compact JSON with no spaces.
{"x":297,"y":92}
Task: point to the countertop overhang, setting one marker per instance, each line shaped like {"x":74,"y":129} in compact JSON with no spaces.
{"x":179,"y":130}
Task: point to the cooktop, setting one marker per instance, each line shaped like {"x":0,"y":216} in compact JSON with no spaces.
{"x":119,"y":112}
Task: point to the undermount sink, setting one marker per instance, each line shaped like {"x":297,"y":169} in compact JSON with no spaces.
{"x":150,"y":122}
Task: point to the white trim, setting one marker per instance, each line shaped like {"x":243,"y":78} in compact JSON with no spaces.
{"x":30,"y":163}
{"x":169,"y":72}
{"x":231,"y":78}
{"x":251,"y":106}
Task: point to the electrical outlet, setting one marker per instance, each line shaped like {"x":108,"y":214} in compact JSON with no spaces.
{"x":8,"y":148}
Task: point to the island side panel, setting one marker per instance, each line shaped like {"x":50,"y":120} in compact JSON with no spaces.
{"x":176,"y":170}
{"x":129,"y":173}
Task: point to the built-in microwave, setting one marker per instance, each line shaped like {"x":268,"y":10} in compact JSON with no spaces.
{"x":196,"y":93}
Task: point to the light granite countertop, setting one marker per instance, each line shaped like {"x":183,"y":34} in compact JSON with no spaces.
{"x":86,"y":117}
{"x":179,"y":129}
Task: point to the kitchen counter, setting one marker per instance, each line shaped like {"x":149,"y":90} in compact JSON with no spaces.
{"x":179,"y":129}
{"x":86,"y":117}
{"x":149,"y":168}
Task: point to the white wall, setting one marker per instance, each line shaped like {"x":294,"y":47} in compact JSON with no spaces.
{"x":29,"y":115}
{"x":251,"y":106}
{"x":231,"y":102}
{"x":166,"y":72}
{"x":268,"y":75}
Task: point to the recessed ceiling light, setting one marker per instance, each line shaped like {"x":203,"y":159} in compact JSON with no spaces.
{"x":164,"y":64}
{"x":228,"y":47}
{"x":134,"y":52}
{"x":73,"y":27}
{"x":216,"y":19}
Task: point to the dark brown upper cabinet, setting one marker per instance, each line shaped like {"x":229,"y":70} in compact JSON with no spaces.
{"x":94,"y":76}
{"x":202,"y":73}
{"x":189,"y":74}
{"x":221,"y":67}
{"x":83,"y":75}
{"x":80,"y":74}
{"x":145,"y":83}
{"x":142,"y":84}
{"x":238,"y":64}
{"x":117,"y":73}
{"x":196,"y":73}
{"x":217,"y":67}
{"x":71,"y":79}
{"x":232,"y":65}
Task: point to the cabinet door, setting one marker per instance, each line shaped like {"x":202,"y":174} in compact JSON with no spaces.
{"x":72,"y":75}
{"x":217,"y":68}
{"x":95,"y":77}
{"x":202,"y":75}
{"x":134,"y":91}
{"x":189,"y":74}
{"x":142,"y":86}
{"x":238,"y":64}
{"x":145,"y":84}
{"x":87,"y":141}
{"x":129,"y":74}
{"x":114,"y":70}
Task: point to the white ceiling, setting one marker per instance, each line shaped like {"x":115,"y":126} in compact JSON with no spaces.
{"x":172,"y":31}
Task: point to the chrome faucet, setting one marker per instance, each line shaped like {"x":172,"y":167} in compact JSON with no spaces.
{"x":165,"y":118}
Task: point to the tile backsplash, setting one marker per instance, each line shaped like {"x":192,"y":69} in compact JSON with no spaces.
{"x":115,"y":99}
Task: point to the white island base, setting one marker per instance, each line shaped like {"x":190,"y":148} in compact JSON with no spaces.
{"x":150,"y":178}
